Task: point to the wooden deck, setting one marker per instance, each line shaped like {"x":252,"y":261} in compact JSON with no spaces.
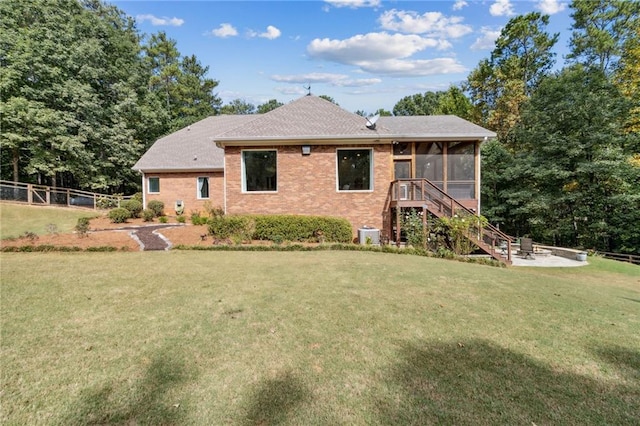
{"x":423,"y":194}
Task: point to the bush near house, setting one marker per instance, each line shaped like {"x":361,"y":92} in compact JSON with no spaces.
{"x":134,"y":206}
{"x":157,"y":207}
{"x":302,"y":228}
{"x":280,"y":228}
{"x":119,"y":215}
{"x":148,"y":215}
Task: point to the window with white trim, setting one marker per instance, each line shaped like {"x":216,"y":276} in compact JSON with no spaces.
{"x":355,"y":169}
{"x":259,"y":171}
{"x":153,"y":185}
{"x":203,"y":187}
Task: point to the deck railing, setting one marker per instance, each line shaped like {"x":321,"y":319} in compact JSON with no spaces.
{"x":33,"y":194}
{"x":423,"y":193}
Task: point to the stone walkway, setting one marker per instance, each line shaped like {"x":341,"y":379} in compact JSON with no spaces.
{"x":149,"y":239}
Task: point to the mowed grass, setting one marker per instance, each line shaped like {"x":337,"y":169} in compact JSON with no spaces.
{"x":16,"y":219}
{"x":340,"y":338}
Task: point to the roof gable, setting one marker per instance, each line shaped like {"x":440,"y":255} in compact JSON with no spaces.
{"x":191,"y":148}
{"x":307,"y":117}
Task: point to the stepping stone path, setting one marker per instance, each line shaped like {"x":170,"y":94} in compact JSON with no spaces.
{"x":148,"y":239}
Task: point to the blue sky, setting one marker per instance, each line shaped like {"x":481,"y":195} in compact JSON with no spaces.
{"x":366,"y":54}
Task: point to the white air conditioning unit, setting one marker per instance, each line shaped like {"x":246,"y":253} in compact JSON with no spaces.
{"x":404,"y":191}
{"x":372,"y":233}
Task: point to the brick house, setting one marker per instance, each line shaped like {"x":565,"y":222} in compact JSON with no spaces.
{"x":311,"y":157}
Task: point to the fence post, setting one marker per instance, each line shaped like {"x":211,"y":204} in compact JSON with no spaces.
{"x":29,"y":194}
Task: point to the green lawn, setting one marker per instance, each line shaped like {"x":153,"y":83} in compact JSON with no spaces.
{"x":315,"y":338}
{"x":17,"y":219}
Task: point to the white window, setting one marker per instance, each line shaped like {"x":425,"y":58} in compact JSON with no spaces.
{"x":203,"y":187}
{"x":355,"y":169}
{"x":259,"y":171}
{"x":154,"y":185}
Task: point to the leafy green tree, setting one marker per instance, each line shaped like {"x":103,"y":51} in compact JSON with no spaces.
{"x":69,"y":95}
{"x":580,"y":174}
{"x":522,"y":57}
{"x":627,"y":78}
{"x":196,"y":98}
{"x":600,"y":30}
{"x":455,"y":102}
{"x":418,"y":104}
{"x":238,"y":107}
{"x":269,"y":106}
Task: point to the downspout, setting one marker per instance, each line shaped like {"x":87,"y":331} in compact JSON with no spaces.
{"x":144,"y":190}
{"x":224,"y":182}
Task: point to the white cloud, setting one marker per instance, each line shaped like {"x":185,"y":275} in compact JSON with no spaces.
{"x":291,"y":90}
{"x":354,"y":4}
{"x":487,"y":39}
{"x":271,"y":33}
{"x":434,"y":24}
{"x":384,"y":53}
{"x":314,"y":77}
{"x":369,"y":47}
{"x":225,"y":30}
{"x":413,"y":68}
{"x":502,"y":8}
{"x":459,"y":4}
{"x":551,"y":7}
{"x":340,"y":80}
{"x":155,"y":21}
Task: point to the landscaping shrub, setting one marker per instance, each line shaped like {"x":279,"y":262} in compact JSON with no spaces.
{"x":163,"y":219}
{"x":414,"y":228}
{"x":134,"y":207}
{"x":82,"y":226}
{"x":119,"y":215}
{"x":197,"y":219}
{"x":105,"y":203}
{"x":181,"y":219}
{"x":157,"y":207}
{"x":237,"y":228}
{"x":148,"y":215}
{"x":302,"y":228}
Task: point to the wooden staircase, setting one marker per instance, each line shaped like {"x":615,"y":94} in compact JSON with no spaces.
{"x":423,"y":194}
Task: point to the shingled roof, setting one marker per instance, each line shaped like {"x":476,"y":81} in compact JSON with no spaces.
{"x":309,"y":119}
{"x":191,"y":148}
{"x":312,"y":118}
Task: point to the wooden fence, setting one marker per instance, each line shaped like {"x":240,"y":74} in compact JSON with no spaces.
{"x":631,"y":258}
{"x":53,"y":196}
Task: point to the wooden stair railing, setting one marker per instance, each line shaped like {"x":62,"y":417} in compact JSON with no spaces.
{"x":423,"y":193}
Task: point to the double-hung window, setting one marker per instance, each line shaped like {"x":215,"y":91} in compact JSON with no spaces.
{"x":153,"y":185}
{"x":203,"y":187}
{"x":355,"y":169}
{"x":259,"y":171}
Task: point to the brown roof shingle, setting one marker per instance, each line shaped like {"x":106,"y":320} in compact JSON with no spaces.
{"x":191,"y":148}
{"x":306,"y":119}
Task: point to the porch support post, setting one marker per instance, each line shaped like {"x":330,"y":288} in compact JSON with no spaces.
{"x":398,"y":226}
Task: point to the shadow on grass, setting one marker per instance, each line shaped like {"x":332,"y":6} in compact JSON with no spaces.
{"x":274,"y":399}
{"x":482,"y":383}
{"x":626,"y":360}
{"x":143,"y":402}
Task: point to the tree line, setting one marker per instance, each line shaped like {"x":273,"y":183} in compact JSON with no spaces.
{"x":84,"y":94}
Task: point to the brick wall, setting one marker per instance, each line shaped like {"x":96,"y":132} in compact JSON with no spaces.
{"x":184,"y":186}
{"x":307,"y":186}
